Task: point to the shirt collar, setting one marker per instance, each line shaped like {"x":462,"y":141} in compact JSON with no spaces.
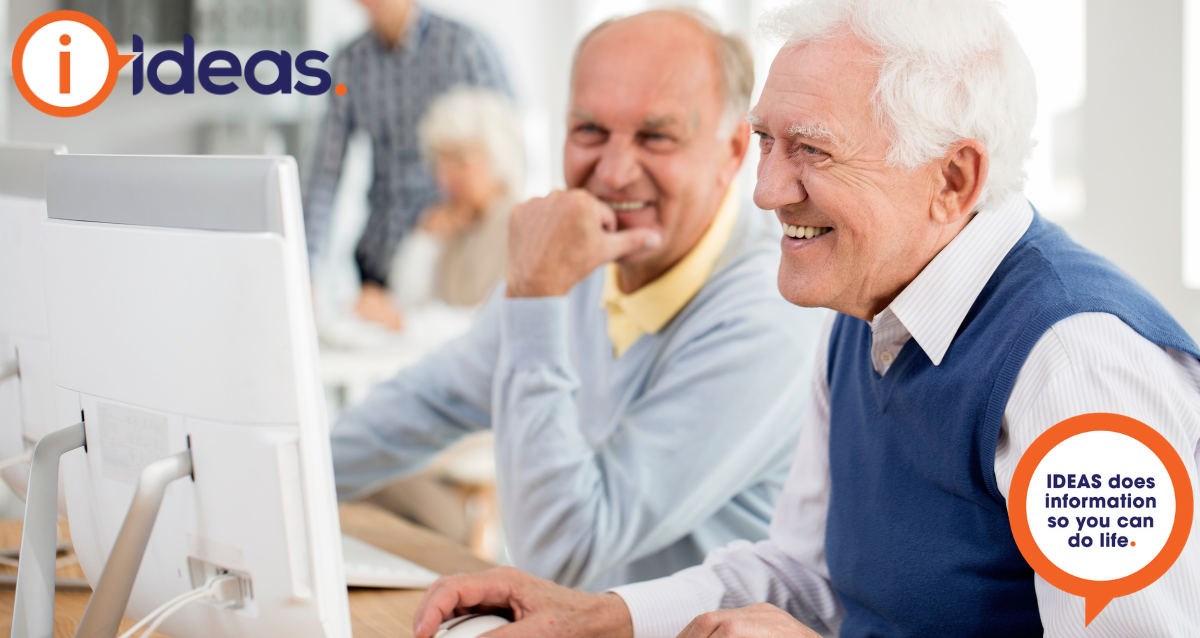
{"x":933,"y":306}
{"x":656,"y":303}
{"x":410,"y":31}
{"x":414,"y":28}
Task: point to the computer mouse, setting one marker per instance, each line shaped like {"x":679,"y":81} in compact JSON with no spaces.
{"x":471,"y":626}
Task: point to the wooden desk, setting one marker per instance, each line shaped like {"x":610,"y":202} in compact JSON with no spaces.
{"x":374,"y":613}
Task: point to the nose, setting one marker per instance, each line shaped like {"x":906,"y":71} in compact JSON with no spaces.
{"x":779,"y":183}
{"x":618,"y":166}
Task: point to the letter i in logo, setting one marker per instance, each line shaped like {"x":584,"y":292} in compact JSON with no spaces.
{"x":65,"y":63}
{"x":64,"y":66}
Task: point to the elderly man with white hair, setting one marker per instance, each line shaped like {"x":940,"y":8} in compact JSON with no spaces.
{"x":968,"y":326}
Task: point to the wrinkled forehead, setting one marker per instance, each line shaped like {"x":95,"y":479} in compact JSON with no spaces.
{"x":824,"y":87}
{"x":646,"y":68}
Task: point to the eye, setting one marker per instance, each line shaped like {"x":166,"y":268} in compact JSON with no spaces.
{"x":765,"y":142}
{"x":813,"y":152}
{"x":588,"y":134}
{"x":656,"y":141}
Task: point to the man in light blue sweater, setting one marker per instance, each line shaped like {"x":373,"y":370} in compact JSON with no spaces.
{"x":642,"y":374}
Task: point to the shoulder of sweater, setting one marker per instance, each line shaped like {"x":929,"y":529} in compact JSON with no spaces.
{"x":748,"y":268}
{"x":744,"y":293}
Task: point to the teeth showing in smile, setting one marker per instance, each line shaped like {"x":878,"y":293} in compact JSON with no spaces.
{"x":624,"y":206}
{"x":804,"y":232}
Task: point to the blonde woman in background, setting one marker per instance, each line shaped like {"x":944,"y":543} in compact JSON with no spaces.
{"x":471,"y":140}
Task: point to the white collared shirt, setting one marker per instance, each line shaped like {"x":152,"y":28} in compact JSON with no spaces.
{"x":1090,"y":362}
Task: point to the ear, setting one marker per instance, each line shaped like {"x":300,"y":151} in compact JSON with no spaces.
{"x":963,"y":172}
{"x":739,"y":143}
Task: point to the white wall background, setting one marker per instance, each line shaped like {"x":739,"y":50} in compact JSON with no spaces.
{"x":1134,"y":146}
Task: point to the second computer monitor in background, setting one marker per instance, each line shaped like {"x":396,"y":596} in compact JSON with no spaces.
{"x":26,"y":391}
{"x":180,"y":318}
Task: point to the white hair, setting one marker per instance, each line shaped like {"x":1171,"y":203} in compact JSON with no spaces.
{"x":473,"y":115}
{"x":948,"y":70}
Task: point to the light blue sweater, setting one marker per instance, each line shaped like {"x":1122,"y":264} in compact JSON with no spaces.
{"x":611,"y":471}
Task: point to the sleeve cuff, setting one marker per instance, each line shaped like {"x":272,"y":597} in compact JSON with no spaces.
{"x":535,"y":329}
{"x":662,"y":608}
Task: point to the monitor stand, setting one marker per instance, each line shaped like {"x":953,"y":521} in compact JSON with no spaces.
{"x":33,"y":608}
{"x":33,"y":612}
{"x":102,"y":618}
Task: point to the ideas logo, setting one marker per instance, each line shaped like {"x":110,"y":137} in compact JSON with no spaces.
{"x":65,"y":64}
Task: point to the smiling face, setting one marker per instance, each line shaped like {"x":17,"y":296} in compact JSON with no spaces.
{"x":642,"y":134}
{"x":865,"y":229}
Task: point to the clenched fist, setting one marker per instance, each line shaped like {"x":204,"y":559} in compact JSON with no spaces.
{"x":556,"y":241}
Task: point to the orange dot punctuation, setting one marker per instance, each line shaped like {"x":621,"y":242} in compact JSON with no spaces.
{"x":340,"y":89}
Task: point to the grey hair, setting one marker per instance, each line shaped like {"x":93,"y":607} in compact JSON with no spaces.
{"x":735,"y":64}
{"x":474,"y":115}
{"x":948,"y":70}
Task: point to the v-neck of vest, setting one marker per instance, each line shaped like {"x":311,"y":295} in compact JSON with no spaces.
{"x":884,"y":386}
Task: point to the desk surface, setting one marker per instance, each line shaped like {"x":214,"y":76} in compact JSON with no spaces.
{"x":374,"y":613}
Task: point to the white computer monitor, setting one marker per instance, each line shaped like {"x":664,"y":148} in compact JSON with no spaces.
{"x":180,"y":317}
{"x":26,"y":390}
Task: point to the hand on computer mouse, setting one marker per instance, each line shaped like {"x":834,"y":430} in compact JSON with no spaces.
{"x":540,"y":608}
{"x":469,"y":626}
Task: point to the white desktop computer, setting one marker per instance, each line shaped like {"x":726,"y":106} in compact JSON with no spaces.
{"x":180,"y":327}
{"x":26,"y":389}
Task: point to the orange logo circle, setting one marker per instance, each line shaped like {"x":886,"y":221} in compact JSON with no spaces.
{"x":1100,"y":591}
{"x":54,"y":82}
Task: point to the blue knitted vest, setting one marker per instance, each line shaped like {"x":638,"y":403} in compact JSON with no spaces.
{"x":918,"y":540}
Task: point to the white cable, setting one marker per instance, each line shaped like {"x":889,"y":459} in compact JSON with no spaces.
{"x":219,"y":587}
{"x":25,"y":458}
{"x":174,"y":608}
{"x":158,"y":610}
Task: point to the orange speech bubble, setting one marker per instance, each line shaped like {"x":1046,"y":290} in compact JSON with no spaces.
{"x":1098,"y":593}
{"x":115,"y":62}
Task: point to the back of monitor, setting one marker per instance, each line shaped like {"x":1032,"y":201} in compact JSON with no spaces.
{"x":180,"y":318}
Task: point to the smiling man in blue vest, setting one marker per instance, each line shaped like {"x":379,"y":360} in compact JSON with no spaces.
{"x":967,"y":326}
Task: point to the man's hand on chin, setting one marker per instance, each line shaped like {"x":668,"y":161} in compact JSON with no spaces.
{"x":756,"y":621}
{"x":556,"y":241}
{"x":540,"y":609}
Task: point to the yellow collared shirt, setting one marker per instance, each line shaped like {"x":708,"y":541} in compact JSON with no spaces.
{"x":649,"y":308}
